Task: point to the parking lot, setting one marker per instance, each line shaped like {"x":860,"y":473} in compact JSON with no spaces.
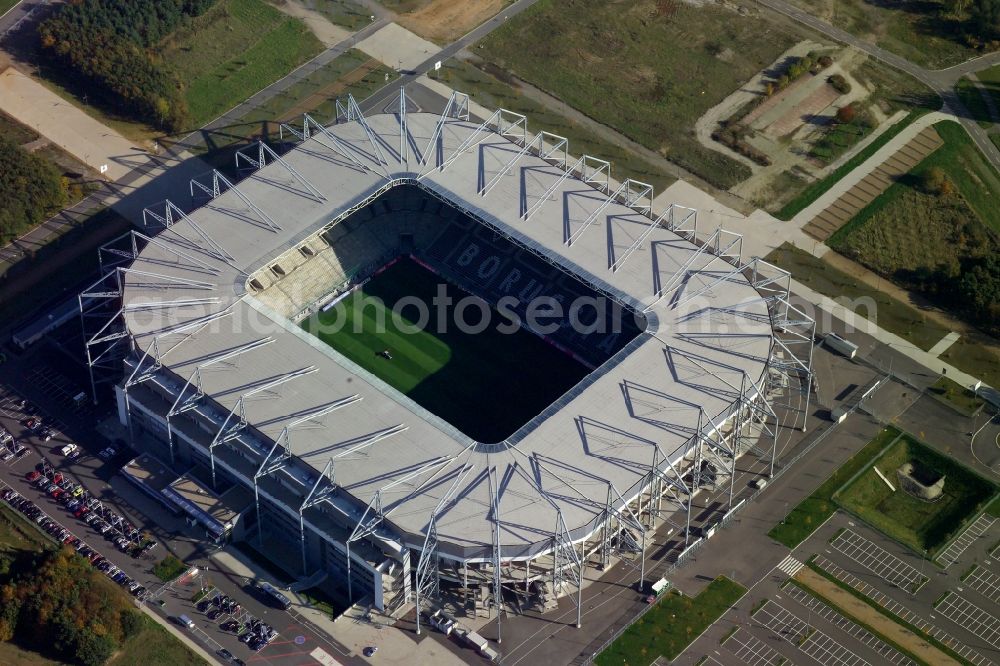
{"x":985,"y":582}
{"x":954,"y":551}
{"x":888,"y":567}
{"x":113,"y":506}
{"x":967,"y":614}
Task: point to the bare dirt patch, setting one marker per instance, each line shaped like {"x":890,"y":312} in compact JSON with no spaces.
{"x":319,"y":25}
{"x":867,"y":616}
{"x":444,"y":21}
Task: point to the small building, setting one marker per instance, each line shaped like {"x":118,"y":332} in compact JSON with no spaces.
{"x":184,"y":495}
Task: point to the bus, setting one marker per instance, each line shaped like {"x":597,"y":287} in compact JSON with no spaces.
{"x":274,"y":596}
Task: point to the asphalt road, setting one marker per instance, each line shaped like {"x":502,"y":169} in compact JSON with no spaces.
{"x":941,"y":81}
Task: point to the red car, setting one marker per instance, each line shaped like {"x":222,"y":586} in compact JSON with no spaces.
{"x":32,"y":475}
{"x":79,"y":513}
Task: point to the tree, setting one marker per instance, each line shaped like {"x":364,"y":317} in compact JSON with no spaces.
{"x":984,"y":16}
{"x":30,"y":189}
{"x":846,"y":113}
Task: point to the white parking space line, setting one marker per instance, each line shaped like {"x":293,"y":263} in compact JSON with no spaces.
{"x":954,"y":551}
{"x":807,"y":638}
{"x":960,"y":610}
{"x":901,"y":611}
{"x":865,"y":637}
{"x":879,"y":561}
{"x":984,"y":582}
{"x":752,"y":651}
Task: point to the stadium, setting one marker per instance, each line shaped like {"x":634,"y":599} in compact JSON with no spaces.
{"x":274,"y":340}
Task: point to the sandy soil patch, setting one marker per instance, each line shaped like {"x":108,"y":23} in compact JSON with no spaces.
{"x":94,"y":144}
{"x":397,"y":47}
{"x":444,"y":21}
{"x":320,"y":26}
{"x":864,"y":614}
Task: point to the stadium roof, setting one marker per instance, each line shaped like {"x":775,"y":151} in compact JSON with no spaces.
{"x":695,"y":354}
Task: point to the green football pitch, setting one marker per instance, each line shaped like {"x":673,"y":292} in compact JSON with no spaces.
{"x":487,"y":384}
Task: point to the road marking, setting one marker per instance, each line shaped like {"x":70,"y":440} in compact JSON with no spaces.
{"x":865,"y":637}
{"x":752,"y":651}
{"x":790,"y":566}
{"x":324,"y":657}
{"x":985,"y":582}
{"x":964,"y":540}
{"x":966,"y":614}
{"x":901,"y":611}
{"x":806,"y":637}
{"x":879,"y":561}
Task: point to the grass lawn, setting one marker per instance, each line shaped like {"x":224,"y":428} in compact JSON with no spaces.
{"x":923,"y":526}
{"x":813,"y":510}
{"x":647,"y":69}
{"x":816,"y":189}
{"x":352,"y":72}
{"x":6,"y":5}
{"x":232,"y":51}
{"x":672,"y":625}
{"x":974,"y":102}
{"x":169,"y":568}
{"x":492,"y":93}
{"x":155,"y":646}
{"x":892,"y":315}
{"x":969,"y":354}
{"x":15,"y":131}
{"x":990,"y":78}
{"x":12,"y":655}
{"x":913,"y":29}
{"x":345,"y":13}
{"x":462,"y":376}
{"x":957,"y":396}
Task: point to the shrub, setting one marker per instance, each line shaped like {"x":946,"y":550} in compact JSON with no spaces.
{"x":846,"y":114}
{"x":839,"y":84}
{"x":824,"y":61}
{"x":935,"y":181}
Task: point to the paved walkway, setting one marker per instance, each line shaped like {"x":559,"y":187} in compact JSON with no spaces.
{"x":944,"y":343}
{"x":398,"y":47}
{"x":859,"y":323}
{"x":877,"y":181}
{"x":868,"y":166}
{"x":65,"y":125}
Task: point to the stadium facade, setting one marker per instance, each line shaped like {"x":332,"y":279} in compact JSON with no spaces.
{"x":356,"y":486}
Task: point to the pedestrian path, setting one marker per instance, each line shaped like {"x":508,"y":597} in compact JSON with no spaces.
{"x":859,"y":323}
{"x":873,"y":184}
{"x":944,"y":343}
{"x":62,"y":123}
{"x":851,"y":179}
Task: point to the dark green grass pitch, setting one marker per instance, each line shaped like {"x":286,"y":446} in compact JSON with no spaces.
{"x":486,"y":384}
